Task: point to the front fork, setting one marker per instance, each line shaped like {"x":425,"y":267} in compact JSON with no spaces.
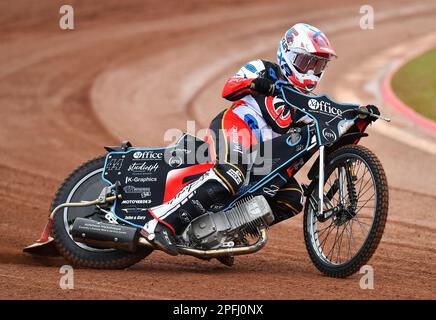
{"x":321,"y":182}
{"x":317,"y":204}
{"x":342,"y":176}
{"x":324,"y":215}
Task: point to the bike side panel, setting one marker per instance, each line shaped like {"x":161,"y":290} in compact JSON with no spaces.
{"x":150,"y":177}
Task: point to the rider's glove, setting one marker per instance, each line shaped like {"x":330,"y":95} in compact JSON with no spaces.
{"x":373,"y":109}
{"x":263,"y":86}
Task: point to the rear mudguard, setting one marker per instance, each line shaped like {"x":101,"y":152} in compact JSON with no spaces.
{"x":125,"y":145}
{"x":44,"y":245}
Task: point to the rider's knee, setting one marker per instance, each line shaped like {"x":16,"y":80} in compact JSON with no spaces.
{"x":286,"y":204}
{"x":232,"y":175}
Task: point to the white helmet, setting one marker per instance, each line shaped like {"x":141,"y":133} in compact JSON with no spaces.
{"x":303,"y":54}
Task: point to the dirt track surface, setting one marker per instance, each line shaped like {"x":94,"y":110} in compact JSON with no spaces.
{"x":132,"y":70}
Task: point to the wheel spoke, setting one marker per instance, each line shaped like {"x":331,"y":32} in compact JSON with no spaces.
{"x":363,"y":206}
{"x":361,"y":180}
{"x":323,"y":229}
{"x":334,"y":243}
{"x":363,"y":192}
{"x":360,"y":224}
{"x":340,"y":243}
{"x":363,"y":186}
{"x":369,"y":199}
{"x":326,"y":237}
{"x":349,"y":238}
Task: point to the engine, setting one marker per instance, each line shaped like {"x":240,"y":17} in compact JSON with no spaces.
{"x":214,"y":230}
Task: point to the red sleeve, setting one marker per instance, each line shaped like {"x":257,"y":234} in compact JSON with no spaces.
{"x":236,"y":88}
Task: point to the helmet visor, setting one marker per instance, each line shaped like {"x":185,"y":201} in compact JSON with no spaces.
{"x":305,"y":62}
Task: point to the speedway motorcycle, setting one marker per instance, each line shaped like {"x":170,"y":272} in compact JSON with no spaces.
{"x":98,"y":212}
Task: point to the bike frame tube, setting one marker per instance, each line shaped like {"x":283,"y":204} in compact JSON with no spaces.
{"x":321,"y":182}
{"x":341,"y":184}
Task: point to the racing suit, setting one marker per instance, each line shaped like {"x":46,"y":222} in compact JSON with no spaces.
{"x":266,"y":117}
{"x":256,"y":115}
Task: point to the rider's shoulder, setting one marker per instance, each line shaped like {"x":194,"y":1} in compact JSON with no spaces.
{"x":253,"y":68}
{"x":269,"y":64}
{"x":260,"y":68}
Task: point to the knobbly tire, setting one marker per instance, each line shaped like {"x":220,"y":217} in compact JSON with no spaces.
{"x":376,"y":231}
{"x":83,"y":256}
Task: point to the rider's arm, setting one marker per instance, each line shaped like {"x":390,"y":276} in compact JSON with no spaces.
{"x":237,"y":88}
{"x":248,"y":81}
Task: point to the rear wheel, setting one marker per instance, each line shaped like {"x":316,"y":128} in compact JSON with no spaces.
{"x":356,"y":185}
{"x":85,"y":183}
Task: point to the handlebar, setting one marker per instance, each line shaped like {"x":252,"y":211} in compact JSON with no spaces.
{"x":279,"y":84}
{"x":365,"y":112}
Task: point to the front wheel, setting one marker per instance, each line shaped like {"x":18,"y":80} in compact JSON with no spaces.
{"x":356,"y":188}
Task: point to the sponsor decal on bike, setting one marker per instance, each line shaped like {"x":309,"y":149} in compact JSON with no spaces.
{"x":323,"y":107}
{"x":140,"y":179}
{"x":147,"y":155}
{"x":175,"y":162}
{"x":145,"y":192}
{"x":271,"y":190}
{"x":136,"y":218}
{"x":135,"y":214}
{"x":144,"y":167}
{"x":279,"y":111}
{"x":329,"y":134}
{"x":128,"y":201}
{"x":114,"y":164}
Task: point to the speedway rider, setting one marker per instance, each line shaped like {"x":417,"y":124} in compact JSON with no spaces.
{"x":256,"y":115}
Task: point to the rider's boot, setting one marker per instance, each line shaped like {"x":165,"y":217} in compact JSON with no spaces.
{"x":174,"y":216}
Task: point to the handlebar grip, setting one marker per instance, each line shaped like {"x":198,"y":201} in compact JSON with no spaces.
{"x":364,"y":111}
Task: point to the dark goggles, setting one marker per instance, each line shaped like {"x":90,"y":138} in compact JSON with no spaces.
{"x":305,"y":62}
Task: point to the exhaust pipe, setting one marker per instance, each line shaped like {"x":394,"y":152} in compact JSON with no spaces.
{"x":105,"y":235}
{"x":216,"y":253}
{"x":114,"y":236}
